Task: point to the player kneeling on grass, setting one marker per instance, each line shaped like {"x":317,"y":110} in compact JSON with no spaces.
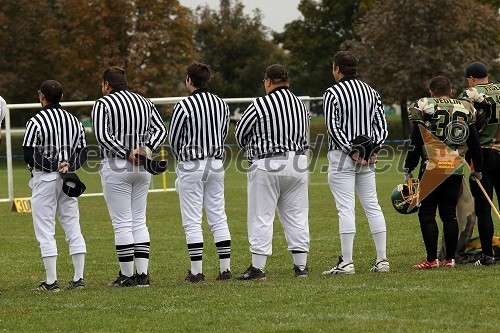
{"x":54,"y":144}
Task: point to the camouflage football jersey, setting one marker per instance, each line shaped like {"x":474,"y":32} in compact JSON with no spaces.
{"x":448,"y":119}
{"x":489,"y":131}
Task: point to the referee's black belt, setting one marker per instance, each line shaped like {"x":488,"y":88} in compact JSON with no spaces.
{"x":280,"y":154}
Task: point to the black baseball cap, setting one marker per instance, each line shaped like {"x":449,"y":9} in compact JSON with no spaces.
{"x":476,"y":70}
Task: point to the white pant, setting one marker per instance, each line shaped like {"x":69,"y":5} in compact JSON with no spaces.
{"x":278,"y":183}
{"x":125,"y":187}
{"x":48,"y":199}
{"x":345,"y":177}
{"x":200,"y":184}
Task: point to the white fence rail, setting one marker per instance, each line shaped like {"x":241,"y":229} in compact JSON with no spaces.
{"x":157,"y":101}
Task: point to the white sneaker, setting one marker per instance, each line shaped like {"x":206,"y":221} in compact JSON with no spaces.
{"x":341,"y":268}
{"x":381,"y":266}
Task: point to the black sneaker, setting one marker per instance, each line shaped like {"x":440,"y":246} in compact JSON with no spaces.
{"x":124,"y":281}
{"x":80,"y":284}
{"x":198,"y":278}
{"x":252,"y":273}
{"x":301,"y":273}
{"x":142,"y":280}
{"x":54,"y":287}
{"x":225,"y":276}
{"x":485,"y":260}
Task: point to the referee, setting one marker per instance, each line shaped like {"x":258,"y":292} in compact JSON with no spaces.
{"x":273,"y":132}
{"x":197,"y":134}
{"x":54,"y":143}
{"x":353,"y":109}
{"x":126,"y":124}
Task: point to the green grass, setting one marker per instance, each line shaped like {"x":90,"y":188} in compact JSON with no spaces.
{"x":463,"y":299}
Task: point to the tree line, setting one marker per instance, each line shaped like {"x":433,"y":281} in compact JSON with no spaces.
{"x":401,"y":45}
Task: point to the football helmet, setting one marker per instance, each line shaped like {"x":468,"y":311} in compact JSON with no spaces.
{"x":403,"y":195}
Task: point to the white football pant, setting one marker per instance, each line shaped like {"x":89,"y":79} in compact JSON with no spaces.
{"x":125,"y":187}
{"x":48,"y":199}
{"x":200,"y":184}
{"x":345,"y":177}
{"x":278,"y":183}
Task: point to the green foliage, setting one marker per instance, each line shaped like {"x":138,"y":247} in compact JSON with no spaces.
{"x":313,"y":40}
{"x":445,"y":300}
{"x":73,"y":41}
{"x":236,"y":47}
{"x":404,"y":44}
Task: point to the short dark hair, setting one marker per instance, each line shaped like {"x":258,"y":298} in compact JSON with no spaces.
{"x":116,"y":77}
{"x":277,"y":74}
{"x":199,"y":74}
{"x":440,"y":86}
{"x":52,"y":91}
{"x":347,"y":62}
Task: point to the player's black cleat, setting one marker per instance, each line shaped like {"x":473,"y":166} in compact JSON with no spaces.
{"x":225,"y":276}
{"x":485,"y":260}
{"x":80,"y":284}
{"x":252,"y":273}
{"x":301,"y":273}
{"x":142,"y":280}
{"x":124,"y":281}
{"x":198,"y":278}
{"x":54,"y":287}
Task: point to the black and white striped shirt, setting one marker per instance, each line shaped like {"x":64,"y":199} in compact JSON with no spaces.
{"x":275,"y":123}
{"x":124,"y":121}
{"x":199,"y":126}
{"x":353,"y":108}
{"x":54,"y":135}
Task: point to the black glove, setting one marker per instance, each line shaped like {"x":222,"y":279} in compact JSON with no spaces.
{"x":477,"y":175}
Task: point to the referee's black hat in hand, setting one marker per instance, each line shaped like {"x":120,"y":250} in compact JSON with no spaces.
{"x":72,"y":185}
{"x":363,"y":145}
{"x":152,"y":166}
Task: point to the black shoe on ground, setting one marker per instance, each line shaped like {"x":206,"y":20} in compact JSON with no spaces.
{"x":54,"y":287}
{"x":124,"y":281}
{"x":485,"y":260}
{"x":225,"y":276}
{"x":80,"y":284}
{"x":301,"y":273}
{"x":142,"y":279}
{"x":252,"y":273}
{"x":198,"y":278}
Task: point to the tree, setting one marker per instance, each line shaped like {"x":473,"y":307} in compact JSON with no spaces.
{"x":432,"y":38}
{"x":236,"y":48}
{"x":313,"y":40}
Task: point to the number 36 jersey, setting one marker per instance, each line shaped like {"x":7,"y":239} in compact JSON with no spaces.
{"x":447,"y":118}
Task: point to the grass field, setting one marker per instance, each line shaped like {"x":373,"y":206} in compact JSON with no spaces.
{"x":463,"y":299}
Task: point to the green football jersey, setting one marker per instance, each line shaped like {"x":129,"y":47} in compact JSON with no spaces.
{"x":448,"y":119}
{"x":489,"y":131}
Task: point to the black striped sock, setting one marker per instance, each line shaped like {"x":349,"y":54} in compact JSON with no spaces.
{"x":224,"y":249}
{"x":125,"y":252}
{"x":141,"y":250}
{"x":195,"y":251}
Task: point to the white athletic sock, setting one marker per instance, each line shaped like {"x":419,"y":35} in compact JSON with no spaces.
{"x":380,"y":245}
{"x":225,"y":264}
{"x":259,"y":261}
{"x":127,"y":268}
{"x":300,"y":259}
{"x":79,"y":264}
{"x":50,"y":264}
{"x":196,"y":267}
{"x":346,"y":244}
{"x":142,"y":265}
